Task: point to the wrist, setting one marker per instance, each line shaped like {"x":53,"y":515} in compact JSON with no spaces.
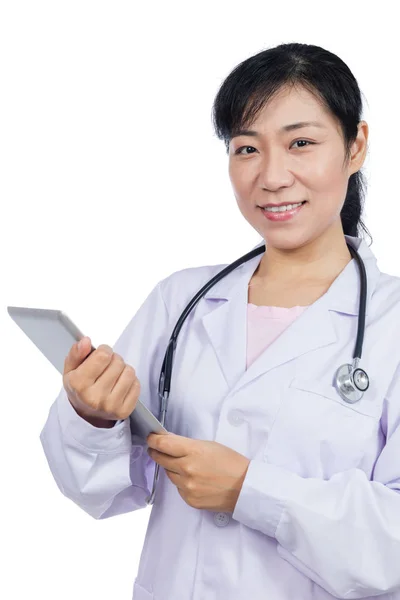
{"x":101,"y":423}
{"x":95,"y":421}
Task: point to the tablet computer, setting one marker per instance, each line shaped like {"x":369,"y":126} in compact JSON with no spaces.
{"x":53,"y":332}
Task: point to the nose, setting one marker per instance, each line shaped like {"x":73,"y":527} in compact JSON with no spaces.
{"x":274,"y":172}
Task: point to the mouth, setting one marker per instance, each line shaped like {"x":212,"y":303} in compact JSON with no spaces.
{"x":282,"y":207}
{"x":282,"y":212}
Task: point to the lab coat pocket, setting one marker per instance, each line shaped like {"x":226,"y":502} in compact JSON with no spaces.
{"x":140,"y":593}
{"x":317,"y":434}
{"x":365,"y":406}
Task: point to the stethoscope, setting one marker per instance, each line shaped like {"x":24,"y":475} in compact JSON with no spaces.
{"x":350,"y":381}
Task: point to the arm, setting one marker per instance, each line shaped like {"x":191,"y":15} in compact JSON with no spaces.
{"x":107,"y":471}
{"x":343,"y":533}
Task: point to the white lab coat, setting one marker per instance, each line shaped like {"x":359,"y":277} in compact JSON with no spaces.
{"x":319,"y":511}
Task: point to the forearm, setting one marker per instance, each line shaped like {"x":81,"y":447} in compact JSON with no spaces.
{"x":101,"y":470}
{"x":337,"y":532}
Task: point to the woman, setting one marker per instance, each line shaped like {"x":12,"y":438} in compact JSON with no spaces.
{"x":272,"y":485}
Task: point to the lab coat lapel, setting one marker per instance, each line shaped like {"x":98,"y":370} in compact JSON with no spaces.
{"x":226,"y":323}
{"x":226,"y":327}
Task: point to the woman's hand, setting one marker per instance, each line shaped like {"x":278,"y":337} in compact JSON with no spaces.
{"x":208,"y":475}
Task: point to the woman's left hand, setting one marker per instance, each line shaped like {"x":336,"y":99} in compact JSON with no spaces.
{"x":208,"y":475}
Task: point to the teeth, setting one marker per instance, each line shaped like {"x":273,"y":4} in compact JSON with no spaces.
{"x":283,"y":208}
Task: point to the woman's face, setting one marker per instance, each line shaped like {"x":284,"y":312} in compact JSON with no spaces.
{"x":274,"y":165}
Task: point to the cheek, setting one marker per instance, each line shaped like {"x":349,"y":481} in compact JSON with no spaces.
{"x":238,"y":180}
{"x":236,"y":183}
{"x":241,"y":189}
{"x":326,"y":173}
{"x":327,"y":184}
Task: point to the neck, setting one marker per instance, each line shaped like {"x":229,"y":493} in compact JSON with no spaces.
{"x":322,"y":259}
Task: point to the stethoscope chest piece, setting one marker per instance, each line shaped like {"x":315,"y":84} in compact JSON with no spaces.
{"x":351,"y":383}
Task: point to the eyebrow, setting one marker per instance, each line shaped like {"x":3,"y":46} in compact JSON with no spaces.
{"x":290,"y":127}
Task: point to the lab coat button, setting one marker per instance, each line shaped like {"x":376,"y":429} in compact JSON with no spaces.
{"x":235,"y":417}
{"x":221,"y":519}
{"x":120,"y":433}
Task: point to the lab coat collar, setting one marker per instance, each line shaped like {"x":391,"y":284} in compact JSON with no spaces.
{"x":226,"y":323}
{"x":341,"y":296}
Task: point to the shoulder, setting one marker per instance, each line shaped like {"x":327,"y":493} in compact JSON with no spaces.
{"x":386,"y":295}
{"x":383,"y":322}
{"x":178,"y":288}
{"x":385,"y":334}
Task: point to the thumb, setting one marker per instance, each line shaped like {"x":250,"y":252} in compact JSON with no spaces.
{"x":77,"y":354}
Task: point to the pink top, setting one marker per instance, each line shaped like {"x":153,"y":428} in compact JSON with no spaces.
{"x":265,"y":324}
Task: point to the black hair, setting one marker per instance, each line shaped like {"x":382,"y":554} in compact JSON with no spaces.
{"x":250,"y":85}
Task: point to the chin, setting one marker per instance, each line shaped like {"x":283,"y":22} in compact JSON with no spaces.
{"x":287,"y":240}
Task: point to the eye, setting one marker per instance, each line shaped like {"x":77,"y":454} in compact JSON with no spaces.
{"x":238,"y":151}
{"x":305,"y":141}
{"x":304,"y":145}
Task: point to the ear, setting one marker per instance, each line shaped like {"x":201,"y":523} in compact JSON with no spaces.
{"x":358,"y":149}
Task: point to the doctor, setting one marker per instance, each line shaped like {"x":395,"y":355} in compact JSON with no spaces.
{"x":271,"y":485}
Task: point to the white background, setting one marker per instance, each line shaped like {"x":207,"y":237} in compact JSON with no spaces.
{"x":110,"y":179}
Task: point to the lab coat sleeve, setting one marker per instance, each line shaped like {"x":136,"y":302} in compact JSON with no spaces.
{"x":108,"y":472}
{"x":343,"y":533}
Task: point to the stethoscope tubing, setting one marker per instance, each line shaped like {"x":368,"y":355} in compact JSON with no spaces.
{"x":166,"y":368}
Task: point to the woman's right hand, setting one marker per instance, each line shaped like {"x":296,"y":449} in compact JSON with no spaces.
{"x":102,"y":389}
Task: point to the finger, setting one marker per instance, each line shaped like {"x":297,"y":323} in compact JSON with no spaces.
{"x":91,"y":369}
{"x":105,"y":383}
{"x":173,"y":445}
{"x":123,"y":400}
{"x":128,"y":401}
{"x":77,"y":354}
{"x":164,"y":461}
{"x":175,"y":478}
